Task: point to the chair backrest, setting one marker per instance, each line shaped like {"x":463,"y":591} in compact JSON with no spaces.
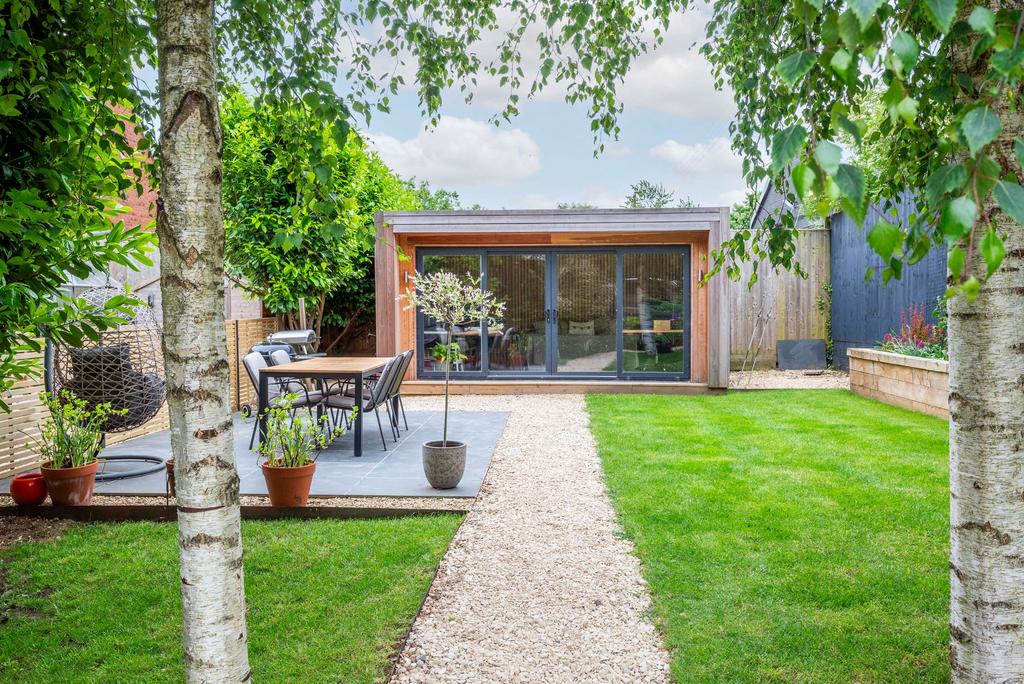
{"x":254,"y":363}
{"x":382,"y":388}
{"x":403,"y":367}
{"x":280,"y":357}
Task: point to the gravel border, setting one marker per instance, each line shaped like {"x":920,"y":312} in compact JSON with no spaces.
{"x":788,"y":379}
{"x":539,"y":584}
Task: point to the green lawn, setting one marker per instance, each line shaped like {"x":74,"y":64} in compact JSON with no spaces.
{"x":787,"y":536}
{"x":328,"y":600}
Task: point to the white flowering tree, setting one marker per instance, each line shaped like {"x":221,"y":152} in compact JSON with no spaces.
{"x":452,"y":300}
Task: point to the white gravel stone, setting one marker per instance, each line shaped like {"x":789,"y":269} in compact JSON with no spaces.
{"x":538,"y":585}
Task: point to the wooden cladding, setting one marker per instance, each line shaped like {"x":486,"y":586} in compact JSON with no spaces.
{"x":20,"y":427}
{"x":401,"y":234}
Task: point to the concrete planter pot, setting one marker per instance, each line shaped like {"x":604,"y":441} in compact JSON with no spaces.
{"x":444,"y":465}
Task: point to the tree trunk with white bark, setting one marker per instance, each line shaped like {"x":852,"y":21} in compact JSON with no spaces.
{"x":986,"y":398}
{"x":191,"y":231}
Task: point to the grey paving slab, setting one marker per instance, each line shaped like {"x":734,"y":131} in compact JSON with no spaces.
{"x":395,"y":472}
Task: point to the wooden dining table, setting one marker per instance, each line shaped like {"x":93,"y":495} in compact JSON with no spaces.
{"x":323,"y":369}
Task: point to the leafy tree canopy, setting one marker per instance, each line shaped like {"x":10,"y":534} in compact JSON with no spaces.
{"x":64,"y":164}
{"x":295,"y":229}
{"x":949,"y":77}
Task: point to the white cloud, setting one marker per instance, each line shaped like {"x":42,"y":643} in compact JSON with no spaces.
{"x":713,"y":157}
{"x":617,"y":150}
{"x":731,"y":197}
{"x":675,"y":78}
{"x":461,"y":151}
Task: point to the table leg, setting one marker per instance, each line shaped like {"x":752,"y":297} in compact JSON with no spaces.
{"x":359,"y":414}
{"x":263,"y":399}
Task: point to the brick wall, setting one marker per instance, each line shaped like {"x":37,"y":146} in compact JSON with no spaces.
{"x":907,"y":381}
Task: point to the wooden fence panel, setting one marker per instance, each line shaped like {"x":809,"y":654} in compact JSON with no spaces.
{"x":17,"y":449}
{"x":783,"y":304}
{"x":20,"y":427}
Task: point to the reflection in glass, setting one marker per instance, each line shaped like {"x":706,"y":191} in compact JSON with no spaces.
{"x":467,"y":336}
{"x":585,"y":314}
{"x":519,"y":281}
{"x":653,"y":316}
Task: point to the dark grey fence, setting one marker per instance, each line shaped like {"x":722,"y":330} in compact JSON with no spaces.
{"x":862,"y":312}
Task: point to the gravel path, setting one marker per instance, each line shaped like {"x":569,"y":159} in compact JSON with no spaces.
{"x":538,"y":584}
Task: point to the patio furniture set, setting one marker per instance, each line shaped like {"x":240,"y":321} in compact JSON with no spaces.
{"x":345,"y":388}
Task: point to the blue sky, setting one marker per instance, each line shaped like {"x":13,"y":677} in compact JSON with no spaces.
{"x":674,"y":131}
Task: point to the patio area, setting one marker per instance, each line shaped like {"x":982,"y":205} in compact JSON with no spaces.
{"x":396,"y":472}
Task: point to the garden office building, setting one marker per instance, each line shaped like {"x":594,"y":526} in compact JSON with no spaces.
{"x":594,"y":299}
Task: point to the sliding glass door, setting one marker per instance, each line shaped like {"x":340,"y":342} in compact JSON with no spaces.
{"x":520,"y":281}
{"x":584,"y":316}
{"x":604,"y":312}
{"x":655,"y":314}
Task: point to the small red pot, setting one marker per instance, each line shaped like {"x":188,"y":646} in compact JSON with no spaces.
{"x":28,"y":489}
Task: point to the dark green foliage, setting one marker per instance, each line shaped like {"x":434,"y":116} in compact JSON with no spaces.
{"x":299,"y":208}
{"x":328,"y":601}
{"x":64,"y":163}
{"x":787,"y":536}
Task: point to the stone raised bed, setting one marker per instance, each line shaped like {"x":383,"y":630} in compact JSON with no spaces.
{"x":908,"y":381}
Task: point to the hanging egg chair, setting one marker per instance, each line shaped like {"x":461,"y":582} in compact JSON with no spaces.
{"x":124,"y":368}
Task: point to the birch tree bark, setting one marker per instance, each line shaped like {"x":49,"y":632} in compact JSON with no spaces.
{"x":191,"y":232}
{"x":986,"y":397}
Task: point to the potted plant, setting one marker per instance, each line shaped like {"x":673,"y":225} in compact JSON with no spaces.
{"x":290,"y":450}
{"x":71,"y":437}
{"x":451,"y":301}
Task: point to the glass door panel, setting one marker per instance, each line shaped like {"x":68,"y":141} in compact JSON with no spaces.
{"x":467,"y":336}
{"x":519,"y":280}
{"x":654,"y":316}
{"x":584,"y":312}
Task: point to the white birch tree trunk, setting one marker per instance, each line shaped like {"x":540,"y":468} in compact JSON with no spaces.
{"x":986,"y":398}
{"x":191,"y":231}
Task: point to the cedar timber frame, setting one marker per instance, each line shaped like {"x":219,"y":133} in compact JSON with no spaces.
{"x":401,"y":233}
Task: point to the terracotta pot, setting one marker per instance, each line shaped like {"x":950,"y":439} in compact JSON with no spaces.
{"x":28,"y":489}
{"x":70,"y":486}
{"x":444,"y":464}
{"x":288,"y":486}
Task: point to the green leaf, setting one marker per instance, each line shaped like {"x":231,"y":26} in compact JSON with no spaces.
{"x":907,"y":110}
{"x":958,"y":218}
{"x":992,"y":250}
{"x":983,"y":20}
{"x":803,"y":181}
{"x":1018,"y":149}
{"x":785,"y":146}
{"x":850,"y":181}
{"x":971,"y":288}
{"x":884,"y":238}
{"x":955,"y":262}
{"x":849,"y":29}
{"x":828,"y":156}
{"x":864,"y":10}
{"x":942,"y":13}
{"x":794,"y":67}
{"x":980,"y":126}
{"x":905,"y":47}
{"x":1010,"y":197}
{"x":841,"y":62}
{"x":1006,"y":61}
{"x":851,"y":127}
{"x":944,"y":180}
